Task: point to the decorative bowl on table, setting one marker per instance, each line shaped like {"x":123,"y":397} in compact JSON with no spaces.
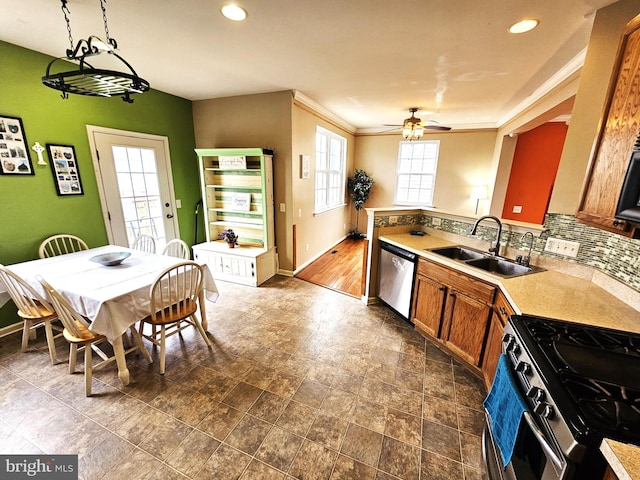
{"x":110,"y":259}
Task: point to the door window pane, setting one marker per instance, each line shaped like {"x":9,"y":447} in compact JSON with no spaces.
{"x":140,"y":193}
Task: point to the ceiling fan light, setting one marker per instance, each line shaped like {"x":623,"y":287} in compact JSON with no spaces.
{"x":418,"y":131}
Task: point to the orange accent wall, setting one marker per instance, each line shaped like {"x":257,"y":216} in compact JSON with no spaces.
{"x":533,"y":172}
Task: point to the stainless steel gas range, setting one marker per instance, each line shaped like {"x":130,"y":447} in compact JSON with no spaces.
{"x":581,"y":384}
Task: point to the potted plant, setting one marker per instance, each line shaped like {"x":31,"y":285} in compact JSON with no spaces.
{"x":359,"y":187}
{"x":229,"y":236}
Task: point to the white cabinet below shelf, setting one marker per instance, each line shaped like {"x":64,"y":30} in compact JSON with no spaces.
{"x":243,"y":264}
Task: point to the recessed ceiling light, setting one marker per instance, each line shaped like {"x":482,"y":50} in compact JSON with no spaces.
{"x":524,"y":25}
{"x":233,"y":12}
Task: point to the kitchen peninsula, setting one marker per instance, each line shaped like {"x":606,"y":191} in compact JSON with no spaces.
{"x":551,"y":294}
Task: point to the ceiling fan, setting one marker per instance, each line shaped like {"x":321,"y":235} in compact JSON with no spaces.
{"x":413,"y":128}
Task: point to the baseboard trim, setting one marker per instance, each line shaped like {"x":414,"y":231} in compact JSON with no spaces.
{"x":285,"y":273}
{"x":371,"y":300}
{"x":9,"y":329}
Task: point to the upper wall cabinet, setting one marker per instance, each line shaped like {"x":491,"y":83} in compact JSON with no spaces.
{"x":619,"y":128}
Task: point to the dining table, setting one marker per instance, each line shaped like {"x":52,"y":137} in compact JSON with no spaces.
{"x":113,"y":298}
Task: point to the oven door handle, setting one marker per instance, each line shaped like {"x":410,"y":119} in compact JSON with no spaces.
{"x":543,"y":441}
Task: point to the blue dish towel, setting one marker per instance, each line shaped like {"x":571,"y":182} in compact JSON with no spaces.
{"x":505,"y":407}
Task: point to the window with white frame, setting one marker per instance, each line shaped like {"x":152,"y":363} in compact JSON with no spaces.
{"x":416,"y":173}
{"x":331,"y":155}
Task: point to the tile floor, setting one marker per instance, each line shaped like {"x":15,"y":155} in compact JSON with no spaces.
{"x":302,"y":382}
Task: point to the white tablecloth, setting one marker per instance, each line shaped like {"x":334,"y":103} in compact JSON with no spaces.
{"x":113,"y":298}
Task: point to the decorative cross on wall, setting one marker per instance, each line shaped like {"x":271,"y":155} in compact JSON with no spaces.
{"x":39,"y":149}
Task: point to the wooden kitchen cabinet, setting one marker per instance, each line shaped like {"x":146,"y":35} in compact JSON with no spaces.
{"x":428,"y":300}
{"x":609,"y":474}
{"x":619,"y":129}
{"x":453,"y":309}
{"x":502,"y":309}
{"x":465,"y":325}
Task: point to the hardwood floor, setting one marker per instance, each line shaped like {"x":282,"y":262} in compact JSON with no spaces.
{"x":340,"y":269}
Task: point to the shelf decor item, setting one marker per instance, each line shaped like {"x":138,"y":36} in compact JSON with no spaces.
{"x":229,"y":236}
{"x":14,"y":149}
{"x":64,"y":168}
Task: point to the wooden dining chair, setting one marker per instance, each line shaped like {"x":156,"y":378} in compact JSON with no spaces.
{"x":76,"y":332}
{"x":33,"y":309}
{"x":174,"y":302}
{"x":177,"y":248}
{"x":144,"y":243}
{"x":61,"y":244}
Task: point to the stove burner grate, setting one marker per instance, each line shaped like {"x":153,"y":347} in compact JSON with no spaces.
{"x":609,"y":408}
{"x":587,"y":336}
{"x":591,"y":373}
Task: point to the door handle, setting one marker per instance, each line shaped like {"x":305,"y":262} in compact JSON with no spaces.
{"x":543,"y":441}
{"x":169,"y":215}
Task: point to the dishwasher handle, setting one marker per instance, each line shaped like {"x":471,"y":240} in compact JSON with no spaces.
{"x":412,"y":257}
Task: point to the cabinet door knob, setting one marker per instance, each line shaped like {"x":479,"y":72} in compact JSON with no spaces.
{"x":442,"y":289}
{"x":617,"y":223}
{"x":169,"y":215}
{"x":502,"y":311}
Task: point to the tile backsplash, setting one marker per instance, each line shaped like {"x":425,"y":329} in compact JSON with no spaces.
{"x":617,"y":256}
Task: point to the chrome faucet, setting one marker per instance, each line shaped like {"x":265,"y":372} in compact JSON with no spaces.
{"x":494,"y":250}
{"x":527,"y":259}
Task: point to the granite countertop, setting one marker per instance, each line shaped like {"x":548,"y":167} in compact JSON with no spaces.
{"x":555,"y":295}
{"x":547,"y":294}
{"x":623,"y":458}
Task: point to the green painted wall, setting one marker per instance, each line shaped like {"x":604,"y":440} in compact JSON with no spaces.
{"x":30,"y":209}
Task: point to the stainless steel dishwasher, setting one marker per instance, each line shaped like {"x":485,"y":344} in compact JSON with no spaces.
{"x":395,"y":278}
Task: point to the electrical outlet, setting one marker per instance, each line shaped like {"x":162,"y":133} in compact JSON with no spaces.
{"x":570,"y":249}
{"x":282,"y":207}
{"x":562,"y":247}
{"x":436,"y":222}
{"x":393,"y":219}
{"x":517,"y":209}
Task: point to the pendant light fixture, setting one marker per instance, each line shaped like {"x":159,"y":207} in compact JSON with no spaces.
{"x":87,"y":80}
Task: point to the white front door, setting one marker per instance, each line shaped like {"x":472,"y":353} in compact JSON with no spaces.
{"x":133,"y":171}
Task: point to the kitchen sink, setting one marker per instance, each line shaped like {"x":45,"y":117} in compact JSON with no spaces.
{"x":495,"y":265}
{"x":500,"y":266}
{"x":459,"y":253}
